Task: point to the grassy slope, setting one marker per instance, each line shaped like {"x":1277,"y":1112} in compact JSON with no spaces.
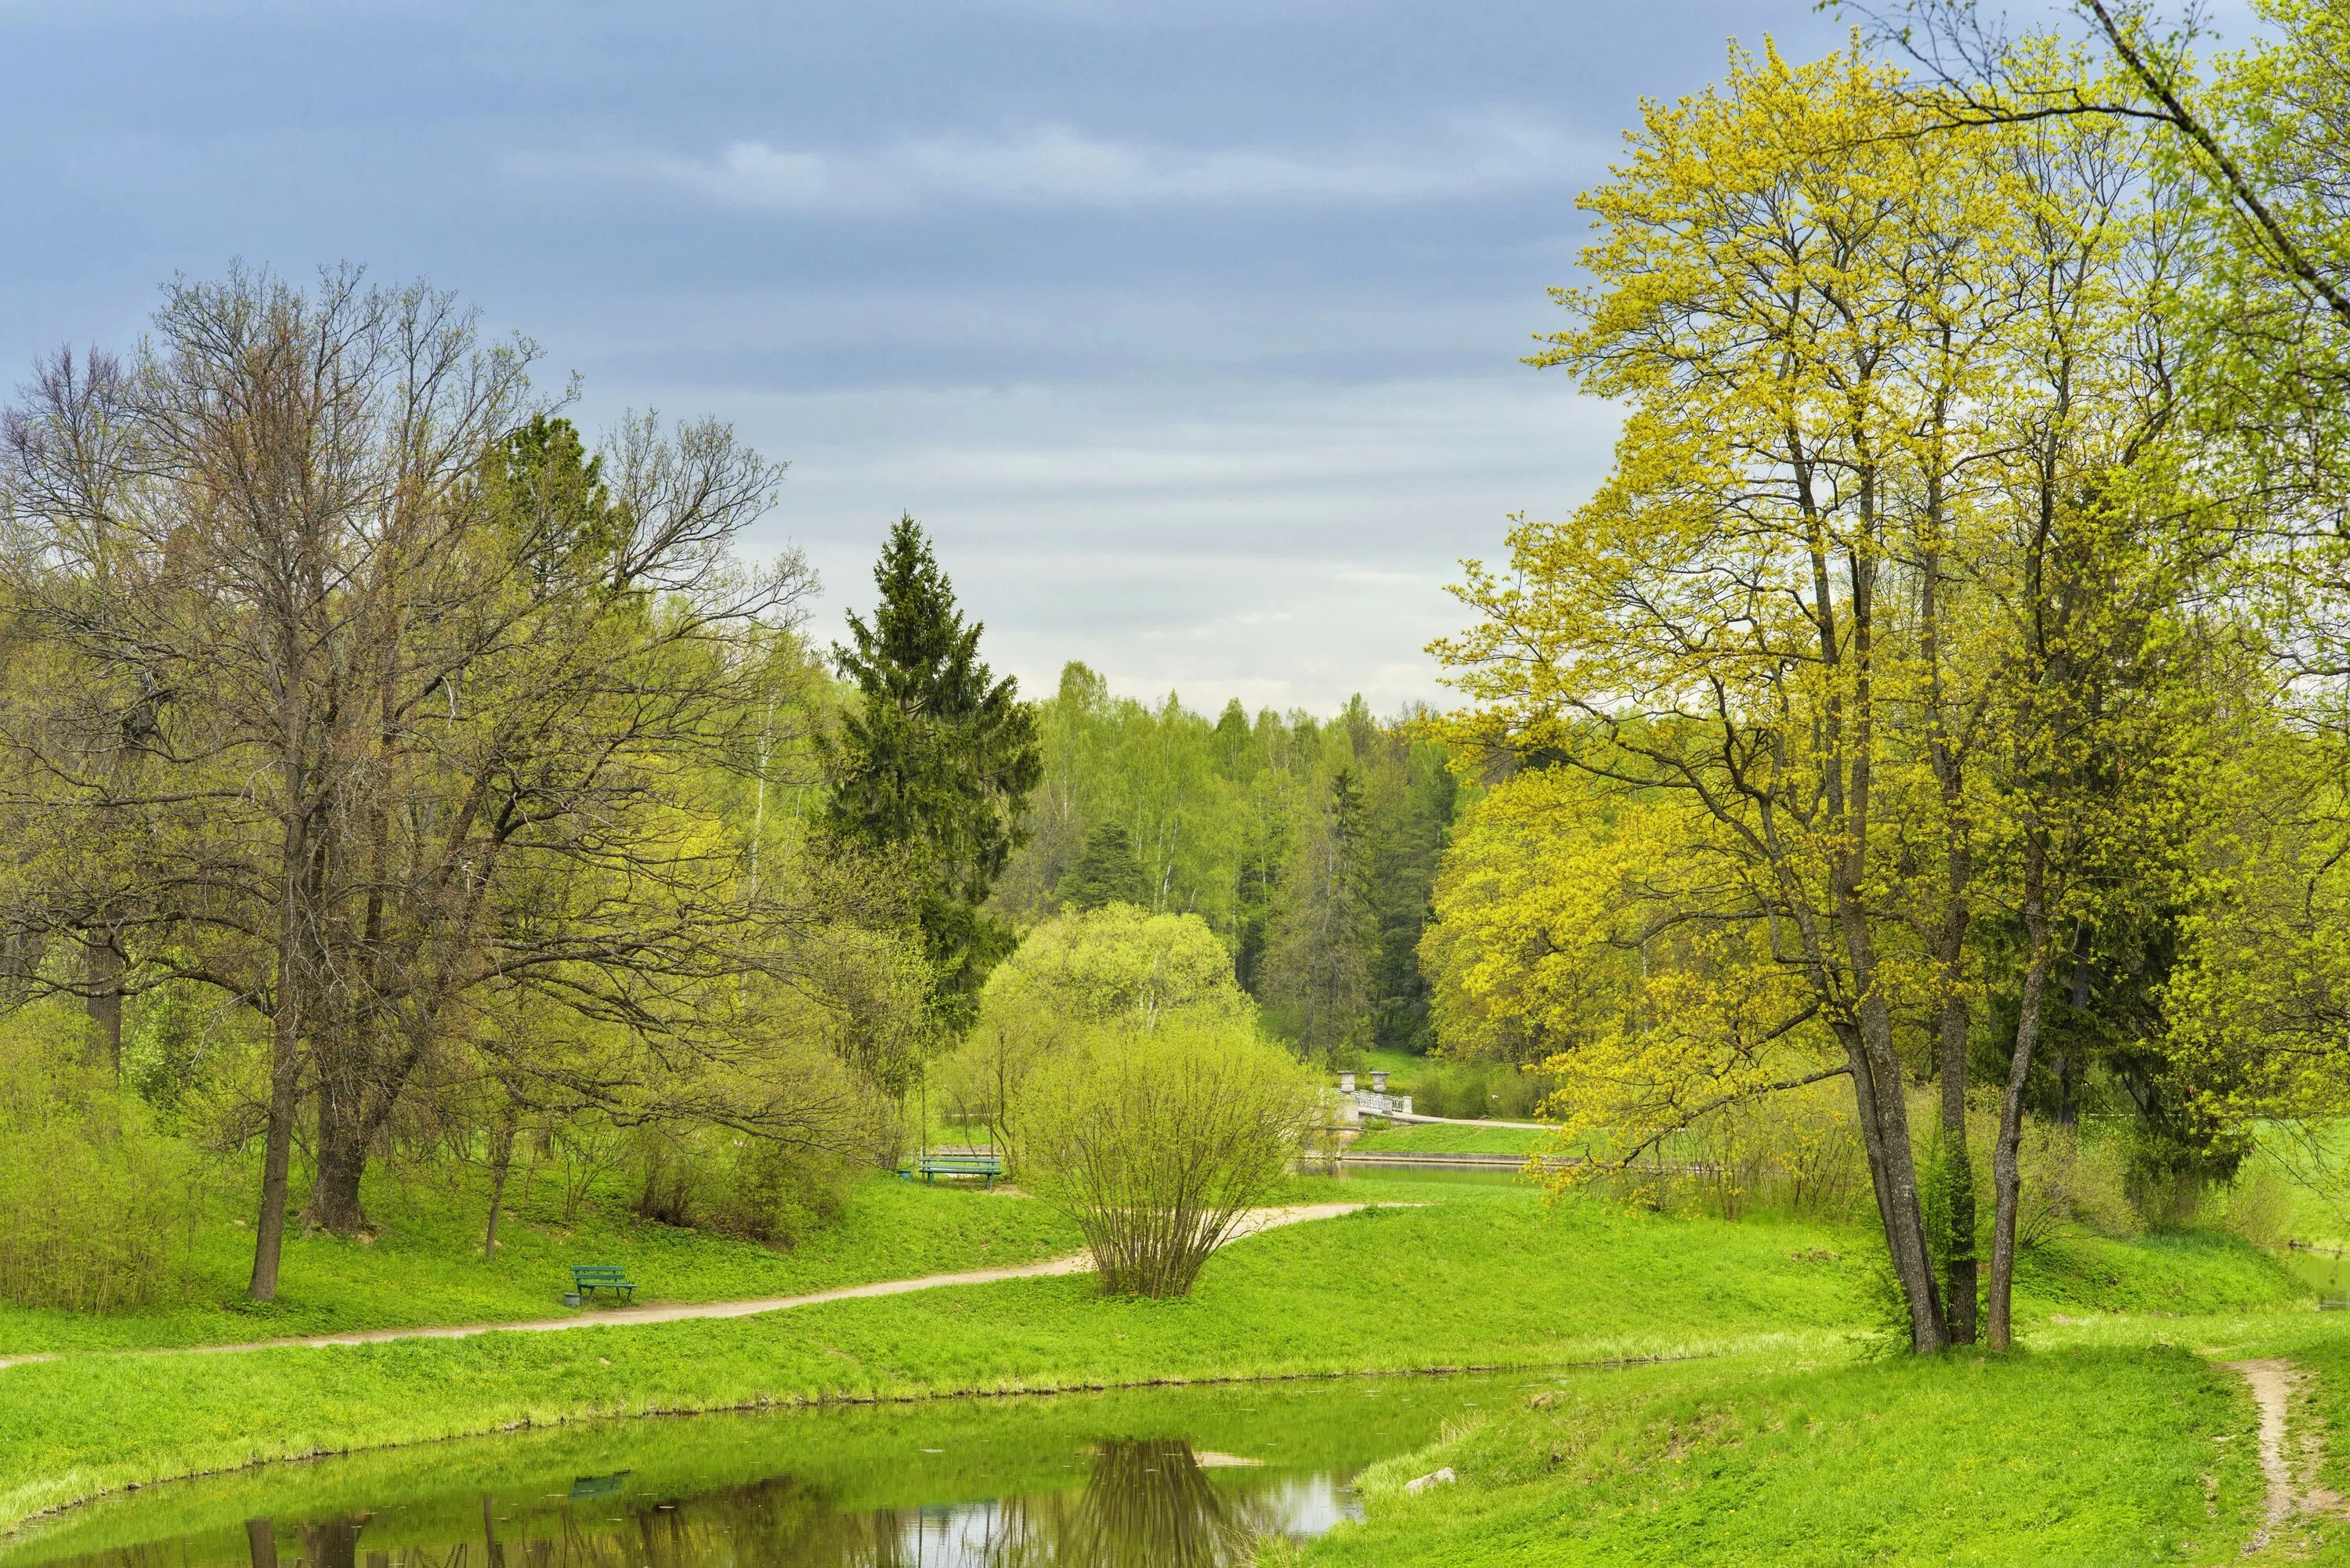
{"x":2089,"y":1449}
{"x":1431,"y":1139}
{"x":2092,"y":1455}
{"x":425,"y":1266}
{"x":1483,"y":1275}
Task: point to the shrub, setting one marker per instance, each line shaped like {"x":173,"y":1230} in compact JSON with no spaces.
{"x":713,"y":1179}
{"x":1156,"y":1141}
{"x":1116,"y":965}
{"x":2065,"y":1182}
{"x":2256,"y":1206}
{"x":98,"y":1211}
{"x":1796,"y":1152}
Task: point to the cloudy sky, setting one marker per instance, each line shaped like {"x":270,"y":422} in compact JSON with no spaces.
{"x":1190,"y":328}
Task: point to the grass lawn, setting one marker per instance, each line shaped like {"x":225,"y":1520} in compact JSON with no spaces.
{"x":425,"y":1266}
{"x":1425,"y":1137}
{"x":1485,"y":1275}
{"x":2082,"y":1455}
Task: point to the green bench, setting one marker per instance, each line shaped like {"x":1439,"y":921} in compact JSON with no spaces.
{"x":586,"y":1279}
{"x":932,"y":1166}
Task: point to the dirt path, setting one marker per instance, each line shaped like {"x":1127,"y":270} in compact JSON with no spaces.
{"x":2290,"y":1468}
{"x":1254,"y":1223}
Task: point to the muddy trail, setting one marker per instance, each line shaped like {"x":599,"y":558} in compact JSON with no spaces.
{"x":2291,"y":1452}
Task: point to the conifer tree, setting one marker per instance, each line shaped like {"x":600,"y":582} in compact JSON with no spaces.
{"x":1105,"y":872}
{"x":932,"y":765}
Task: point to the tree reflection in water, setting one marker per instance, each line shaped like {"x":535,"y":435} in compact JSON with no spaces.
{"x":1143,"y":1502}
{"x":1147,"y":1502}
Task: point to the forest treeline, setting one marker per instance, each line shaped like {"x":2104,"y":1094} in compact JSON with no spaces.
{"x":1309,"y":846}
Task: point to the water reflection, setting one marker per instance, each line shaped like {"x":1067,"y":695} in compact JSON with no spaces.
{"x":2325,"y":1270}
{"x":1149,"y":1500}
{"x":1181,"y":1477}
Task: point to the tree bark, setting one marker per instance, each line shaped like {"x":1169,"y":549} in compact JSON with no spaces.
{"x":502,"y":1141}
{"x":269,"y":1225}
{"x":2007,"y":1182}
{"x":1961,"y":1283}
{"x":102,"y":998}
{"x":1877,"y":1080}
{"x":284,"y":1070}
{"x":342,"y":1157}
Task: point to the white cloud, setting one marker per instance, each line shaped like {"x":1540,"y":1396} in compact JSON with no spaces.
{"x":1288,"y":543}
{"x":1057,"y":165}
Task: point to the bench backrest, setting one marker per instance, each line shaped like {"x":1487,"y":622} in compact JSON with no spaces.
{"x":963,"y":1162}
{"x":585,"y":1273}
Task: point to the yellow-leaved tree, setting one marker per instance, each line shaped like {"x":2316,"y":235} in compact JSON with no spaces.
{"x":1841,"y":658}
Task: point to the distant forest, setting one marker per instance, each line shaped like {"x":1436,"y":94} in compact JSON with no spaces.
{"x":1311,"y":846}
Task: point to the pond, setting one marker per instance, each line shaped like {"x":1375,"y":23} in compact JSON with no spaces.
{"x":2325,"y":1271}
{"x":1179,"y":1478}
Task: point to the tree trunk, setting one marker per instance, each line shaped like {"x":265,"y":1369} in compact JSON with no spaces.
{"x":260,"y":1541}
{"x":2007,"y":1183}
{"x":1961,"y":1285}
{"x":1903,"y":1216}
{"x":2068,"y":1069}
{"x":502,"y":1142}
{"x":285,"y":1072}
{"x":102,"y":999}
{"x":1885,"y":1130}
{"x":342,"y":1158}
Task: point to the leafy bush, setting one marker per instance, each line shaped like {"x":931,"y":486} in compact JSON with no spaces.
{"x":2256,"y":1206}
{"x":98,"y":1211}
{"x":711,"y":1178}
{"x":1796,"y":1152}
{"x":1156,"y":1141}
{"x":1114,"y":965}
{"x":2065,"y":1182}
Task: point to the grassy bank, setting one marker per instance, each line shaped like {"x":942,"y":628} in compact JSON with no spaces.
{"x":2106,"y":1455}
{"x":1435,"y":1137}
{"x":424,"y":1265}
{"x":1479,"y":1276}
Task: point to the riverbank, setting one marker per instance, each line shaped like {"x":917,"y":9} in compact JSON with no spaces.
{"x":1480,"y":1276}
{"x":2112,"y":1454}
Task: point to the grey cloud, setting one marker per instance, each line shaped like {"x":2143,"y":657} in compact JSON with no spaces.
{"x":1056,"y":165}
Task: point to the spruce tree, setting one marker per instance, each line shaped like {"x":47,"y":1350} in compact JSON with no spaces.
{"x":931,"y":766}
{"x":1105,"y":871}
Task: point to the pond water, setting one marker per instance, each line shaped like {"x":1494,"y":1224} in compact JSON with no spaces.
{"x":1168,"y":1478}
{"x":2327,"y":1273}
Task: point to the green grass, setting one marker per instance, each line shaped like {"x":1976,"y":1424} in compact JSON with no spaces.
{"x":1486,"y":1276}
{"x":1424,"y":1137}
{"x":2092,"y":1455}
{"x":425,"y":1267}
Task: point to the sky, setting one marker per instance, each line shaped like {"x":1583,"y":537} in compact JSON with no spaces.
{"x":1190,"y":329}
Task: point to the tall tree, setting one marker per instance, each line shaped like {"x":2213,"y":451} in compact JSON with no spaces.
{"x":1105,"y":871}
{"x":931,"y":768}
{"x":1318,"y":960}
{"x":421,"y":705}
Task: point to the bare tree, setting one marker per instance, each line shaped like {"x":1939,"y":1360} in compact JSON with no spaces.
{"x":363,"y":693}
